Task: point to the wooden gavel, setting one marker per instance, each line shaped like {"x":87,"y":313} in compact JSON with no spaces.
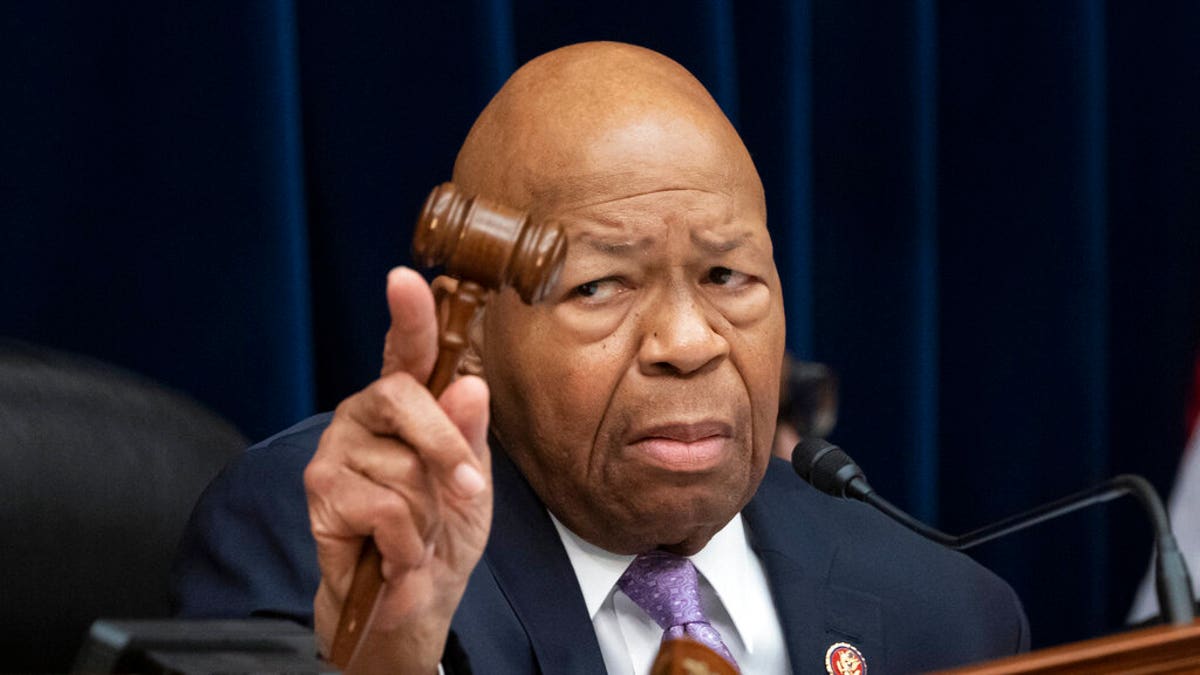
{"x":486,"y":246}
{"x":685,"y":656}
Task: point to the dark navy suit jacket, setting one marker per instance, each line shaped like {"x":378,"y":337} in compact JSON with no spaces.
{"x":838,"y":571}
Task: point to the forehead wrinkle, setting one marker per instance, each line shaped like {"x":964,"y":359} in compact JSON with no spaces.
{"x":583,"y":191}
{"x":621,"y":235}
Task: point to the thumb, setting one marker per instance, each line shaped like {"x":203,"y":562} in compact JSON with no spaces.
{"x":466,"y":404}
{"x":411,"y":342}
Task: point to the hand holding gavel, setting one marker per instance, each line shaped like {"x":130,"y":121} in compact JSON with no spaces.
{"x":400,"y":487}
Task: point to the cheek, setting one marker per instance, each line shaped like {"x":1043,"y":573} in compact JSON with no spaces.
{"x":593,"y":326}
{"x":758,"y":352}
{"x":560,"y":390}
{"x":570,"y":403}
{"x":745,"y":310}
{"x":583,"y":381}
{"x":583,"y":357}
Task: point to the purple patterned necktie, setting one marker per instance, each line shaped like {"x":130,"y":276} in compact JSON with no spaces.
{"x":667,"y":588}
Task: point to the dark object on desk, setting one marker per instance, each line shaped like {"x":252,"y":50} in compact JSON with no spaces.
{"x":102,"y":468}
{"x":808,"y":398}
{"x":200,"y":646}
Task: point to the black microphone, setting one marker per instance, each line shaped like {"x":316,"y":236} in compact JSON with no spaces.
{"x":830,"y":470}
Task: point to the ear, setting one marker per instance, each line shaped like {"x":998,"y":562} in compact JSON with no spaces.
{"x":443,"y":287}
{"x":472,"y":363}
{"x":472,"y":360}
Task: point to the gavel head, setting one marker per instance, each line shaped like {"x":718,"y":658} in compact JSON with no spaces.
{"x":488,"y":243}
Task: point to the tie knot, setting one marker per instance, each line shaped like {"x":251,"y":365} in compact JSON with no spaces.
{"x":665,"y":586}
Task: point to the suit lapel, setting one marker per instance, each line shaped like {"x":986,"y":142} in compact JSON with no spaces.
{"x":531,"y":567}
{"x":790,"y":533}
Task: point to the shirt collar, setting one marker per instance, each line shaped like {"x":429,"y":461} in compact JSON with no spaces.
{"x":597,"y":570}
{"x":724,"y":562}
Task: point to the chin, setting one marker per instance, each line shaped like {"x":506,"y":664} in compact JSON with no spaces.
{"x":685,"y":514}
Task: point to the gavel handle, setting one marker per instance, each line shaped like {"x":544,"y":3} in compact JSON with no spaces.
{"x":368,"y":578}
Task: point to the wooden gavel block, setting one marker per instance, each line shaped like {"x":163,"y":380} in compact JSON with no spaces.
{"x":683,"y":656}
{"x":486,"y":246}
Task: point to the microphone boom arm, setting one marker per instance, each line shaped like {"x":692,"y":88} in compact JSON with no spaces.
{"x":1173,"y":587}
{"x":830,"y":470}
{"x":1113,"y":488}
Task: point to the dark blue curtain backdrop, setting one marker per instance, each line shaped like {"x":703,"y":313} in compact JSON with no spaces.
{"x":987,"y":216}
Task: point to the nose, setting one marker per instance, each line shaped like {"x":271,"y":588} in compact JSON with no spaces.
{"x":679,"y":337}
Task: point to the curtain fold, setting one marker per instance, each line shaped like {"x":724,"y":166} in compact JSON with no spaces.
{"x":152,"y":212}
{"x":1022,"y":201}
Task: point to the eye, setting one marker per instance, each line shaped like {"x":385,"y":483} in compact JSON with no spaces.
{"x":598,"y":291}
{"x":723,"y":276}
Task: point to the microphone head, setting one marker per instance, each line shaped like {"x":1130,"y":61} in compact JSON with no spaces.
{"x":827,"y":468}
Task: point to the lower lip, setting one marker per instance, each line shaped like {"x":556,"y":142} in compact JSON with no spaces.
{"x":698,"y":455}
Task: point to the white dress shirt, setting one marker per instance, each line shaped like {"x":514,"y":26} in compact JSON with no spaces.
{"x":733,"y":593}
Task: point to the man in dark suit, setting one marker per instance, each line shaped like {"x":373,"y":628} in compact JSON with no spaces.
{"x":621,"y":489}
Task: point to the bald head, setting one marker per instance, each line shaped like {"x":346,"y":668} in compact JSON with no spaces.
{"x":639,"y":399}
{"x":570,"y":121}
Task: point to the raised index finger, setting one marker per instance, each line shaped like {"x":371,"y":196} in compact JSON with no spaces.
{"x":411,"y":342}
{"x":449,"y":447}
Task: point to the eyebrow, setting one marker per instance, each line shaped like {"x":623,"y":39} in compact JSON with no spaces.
{"x":611,"y":247}
{"x":719,"y":246}
{"x":616,"y":248}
